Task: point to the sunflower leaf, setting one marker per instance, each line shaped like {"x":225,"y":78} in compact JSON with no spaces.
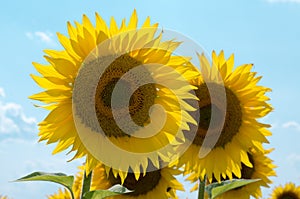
{"x":100,"y":194}
{"x":119,"y":189}
{"x":216,"y":189}
{"x":59,"y":178}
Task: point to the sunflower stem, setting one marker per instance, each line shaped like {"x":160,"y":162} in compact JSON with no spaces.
{"x":86,"y":184}
{"x":201,"y":189}
{"x":72,"y":194}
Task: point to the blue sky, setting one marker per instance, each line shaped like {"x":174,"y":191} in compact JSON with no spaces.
{"x":263,"y":32}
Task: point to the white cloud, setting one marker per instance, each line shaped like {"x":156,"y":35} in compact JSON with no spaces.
{"x":283,"y":1}
{"x":2,"y":93}
{"x":13,"y":119}
{"x":293,"y":157}
{"x":292,"y":124}
{"x":45,"y":37}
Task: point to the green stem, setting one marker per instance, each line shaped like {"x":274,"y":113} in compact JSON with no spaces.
{"x":71,"y":193}
{"x":201,"y":189}
{"x":86,"y":184}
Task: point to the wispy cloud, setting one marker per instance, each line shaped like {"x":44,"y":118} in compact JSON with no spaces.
{"x":283,"y":1}
{"x":2,"y":93}
{"x":293,"y":157}
{"x":45,"y":37}
{"x":13,"y":119}
{"x":291,"y":124}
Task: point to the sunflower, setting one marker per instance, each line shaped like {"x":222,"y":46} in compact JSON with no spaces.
{"x":3,"y":197}
{"x":289,"y":191}
{"x":231,"y":97}
{"x":262,"y":169}
{"x":160,"y":183}
{"x":143,"y":120}
{"x":61,"y":194}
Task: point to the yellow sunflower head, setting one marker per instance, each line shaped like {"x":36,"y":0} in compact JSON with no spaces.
{"x":61,"y":194}
{"x":288,"y":191}
{"x":115,"y":94}
{"x":262,"y":168}
{"x":230,"y":102}
{"x":160,"y":184}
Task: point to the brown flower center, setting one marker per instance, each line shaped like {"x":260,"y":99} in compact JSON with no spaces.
{"x":288,"y":195}
{"x":247,"y":172}
{"x":139,"y":103}
{"x":141,"y":186}
{"x":232,"y":114}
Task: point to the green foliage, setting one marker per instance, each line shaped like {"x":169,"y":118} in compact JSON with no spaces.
{"x":59,"y":178}
{"x":100,"y":194}
{"x":216,"y":189}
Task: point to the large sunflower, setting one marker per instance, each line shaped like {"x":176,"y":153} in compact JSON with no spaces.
{"x":160,"y":184}
{"x":236,"y":101}
{"x":87,"y":114}
{"x":289,"y":191}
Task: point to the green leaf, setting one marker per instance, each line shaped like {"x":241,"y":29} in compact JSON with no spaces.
{"x":216,"y":189}
{"x":59,"y":178}
{"x":100,"y":194}
{"x":119,"y":189}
